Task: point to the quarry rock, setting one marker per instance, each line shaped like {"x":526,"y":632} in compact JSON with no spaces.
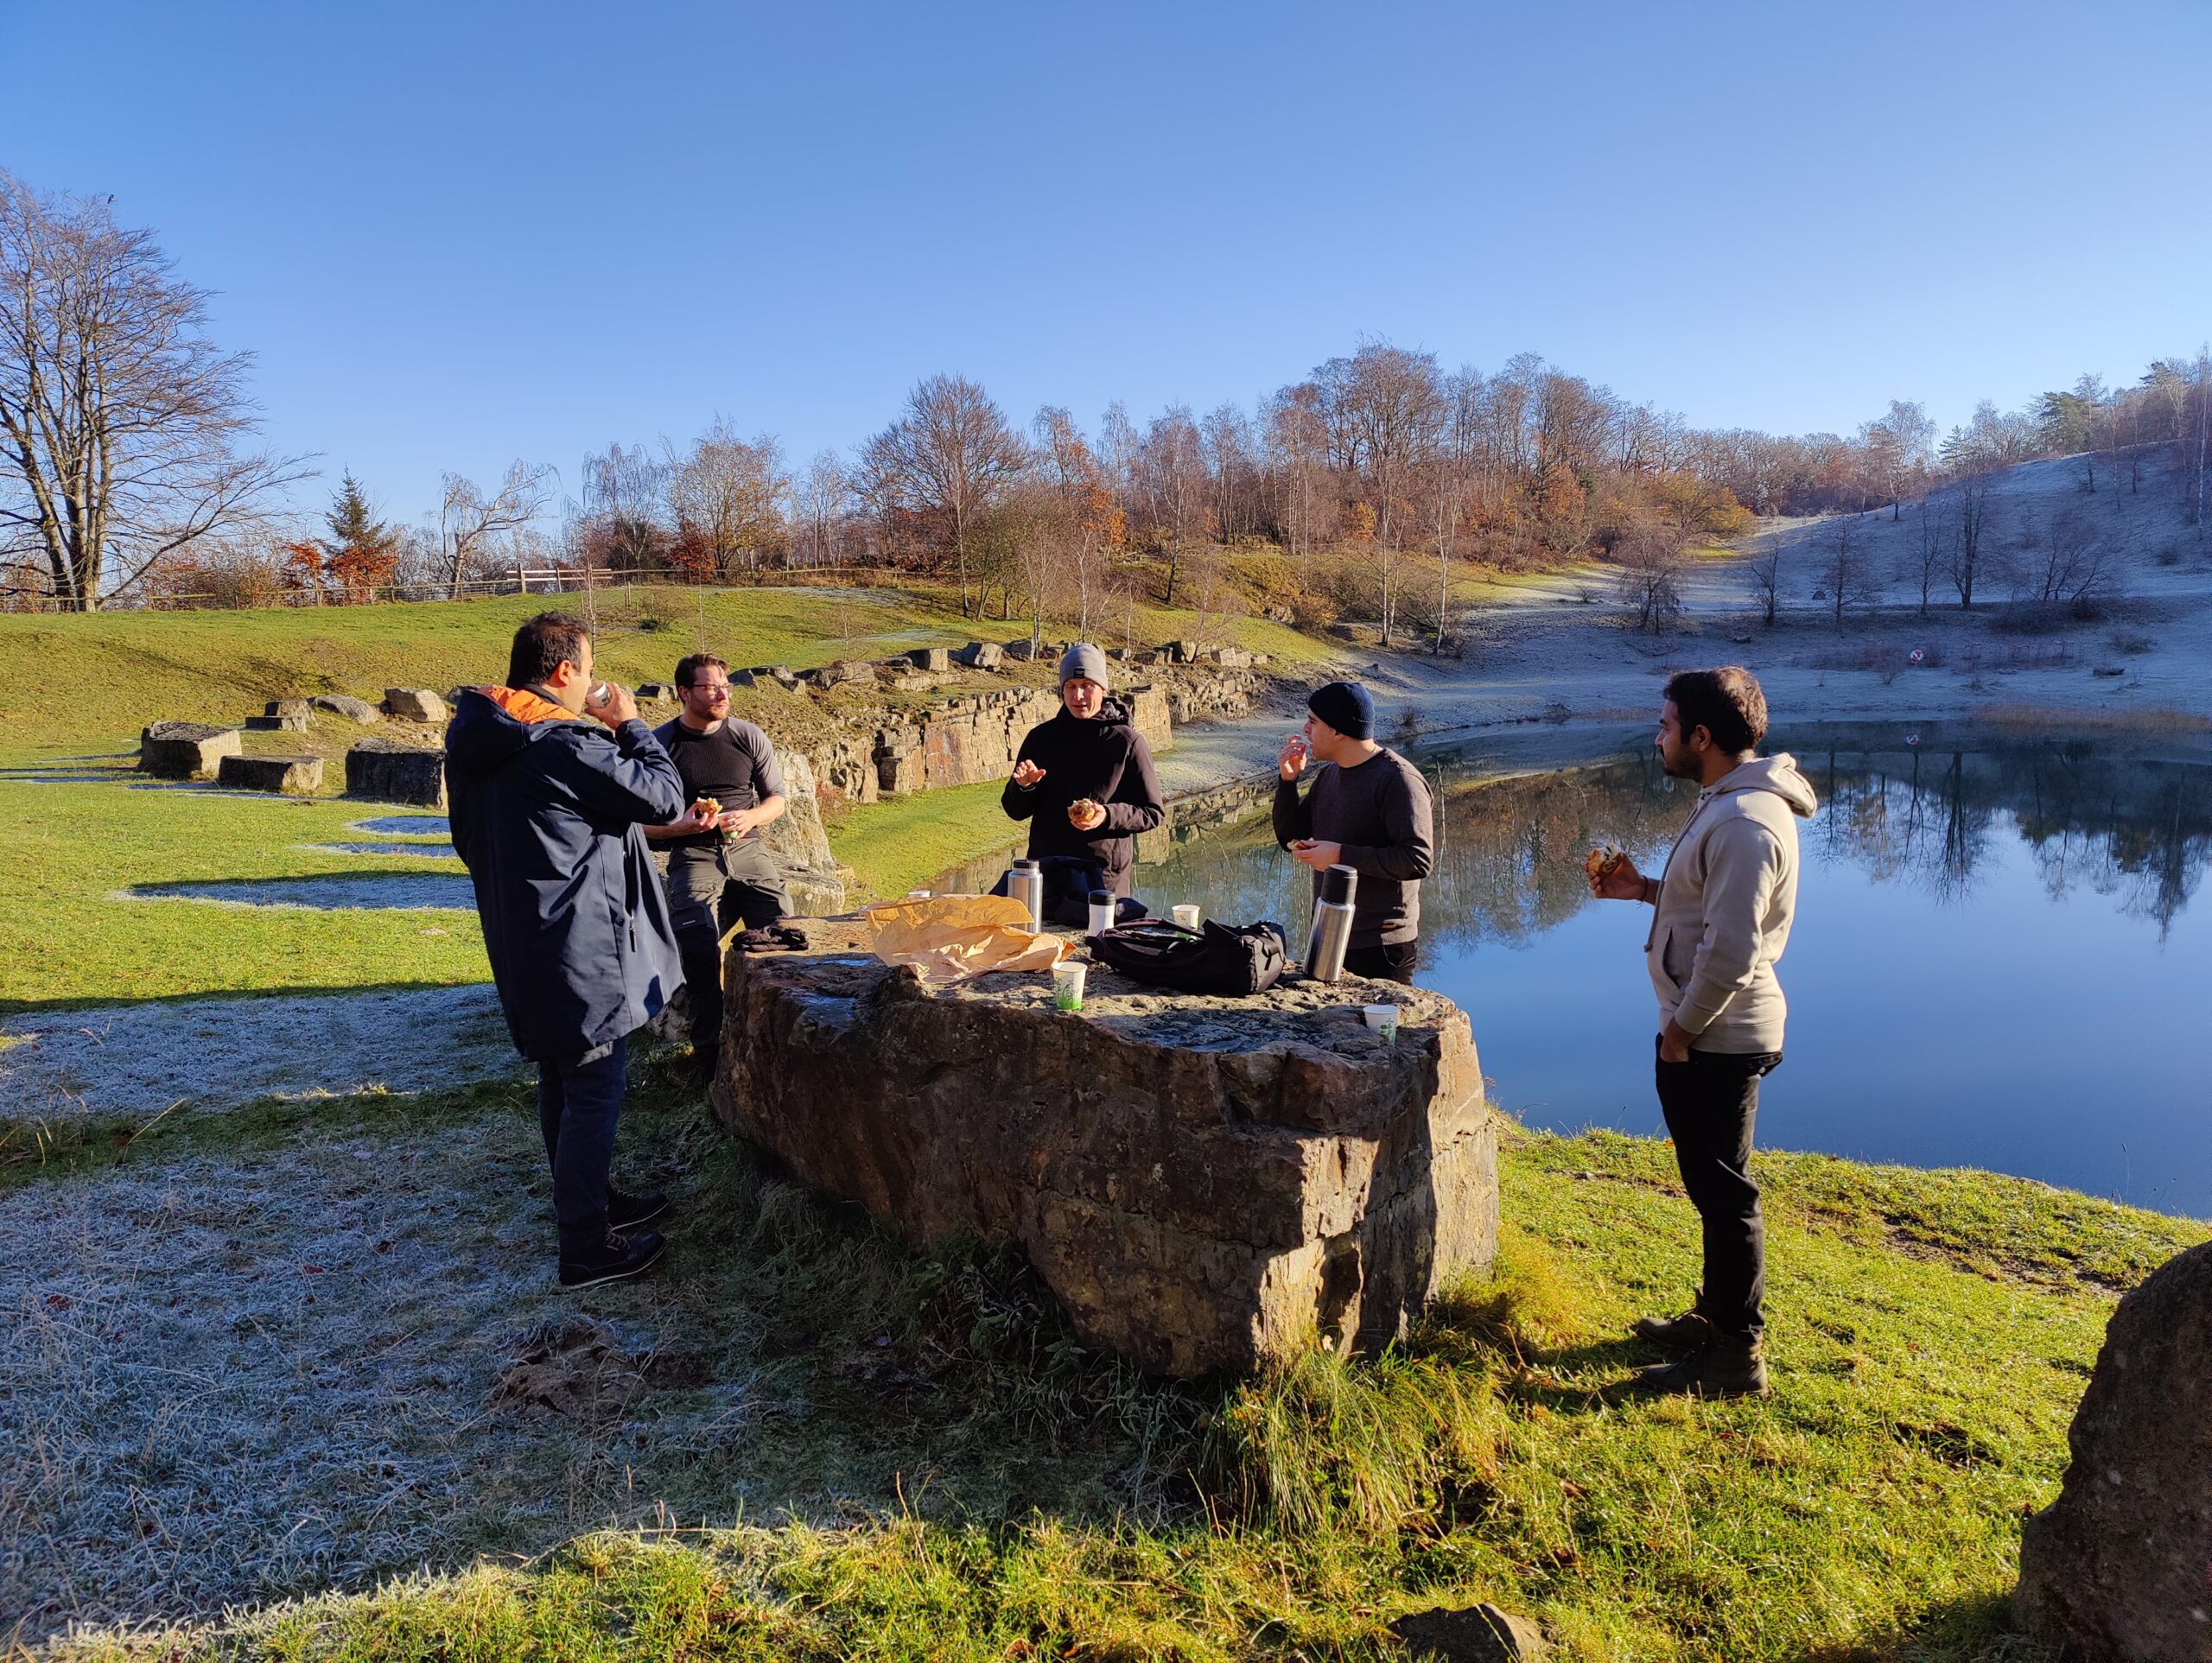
{"x":1473,"y":1634}
{"x":301,"y":707}
{"x":184,"y":750}
{"x":843,"y":672}
{"x":661,"y":692}
{"x":980,"y":655}
{"x":1026,"y":652}
{"x":936,"y":660}
{"x":292,"y":776}
{"x":391,"y":770}
{"x":274,"y":723}
{"x":414,"y":704}
{"x":2117,"y":1566}
{"x":743,"y":678}
{"x":801,"y":845}
{"x":338,"y":704}
{"x":1179,"y":652}
{"x":1203,"y":1183}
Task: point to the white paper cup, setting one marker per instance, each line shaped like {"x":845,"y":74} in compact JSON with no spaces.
{"x":1383,"y":1018}
{"x":1067,"y":984}
{"x":1187,"y":916}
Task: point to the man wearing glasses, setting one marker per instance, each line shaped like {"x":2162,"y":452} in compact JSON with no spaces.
{"x":720,"y":872}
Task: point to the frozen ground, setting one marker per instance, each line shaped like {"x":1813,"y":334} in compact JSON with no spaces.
{"x":134,"y":1060}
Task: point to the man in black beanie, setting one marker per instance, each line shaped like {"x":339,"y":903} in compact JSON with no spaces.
{"x":1369,"y":811}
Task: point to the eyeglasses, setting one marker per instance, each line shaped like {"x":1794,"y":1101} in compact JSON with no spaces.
{"x":712,"y":689}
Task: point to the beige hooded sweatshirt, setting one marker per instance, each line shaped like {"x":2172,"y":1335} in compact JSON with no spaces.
{"x":1726,"y":900}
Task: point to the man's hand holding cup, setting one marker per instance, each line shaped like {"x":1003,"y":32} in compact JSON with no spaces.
{"x":1292,"y":762}
{"x":611,"y":702}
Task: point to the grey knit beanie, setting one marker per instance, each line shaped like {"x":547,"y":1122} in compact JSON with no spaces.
{"x":1083,"y":660}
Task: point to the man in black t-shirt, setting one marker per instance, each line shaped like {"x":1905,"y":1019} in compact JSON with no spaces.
{"x":720,"y":872}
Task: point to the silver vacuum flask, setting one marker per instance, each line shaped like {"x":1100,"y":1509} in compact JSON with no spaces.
{"x":1026,"y":883}
{"x":1325,"y":948}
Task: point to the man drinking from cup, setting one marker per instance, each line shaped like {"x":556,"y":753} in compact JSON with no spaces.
{"x":1369,"y":809}
{"x":546,"y":811}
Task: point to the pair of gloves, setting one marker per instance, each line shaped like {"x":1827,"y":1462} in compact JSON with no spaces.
{"x":764,"y":940}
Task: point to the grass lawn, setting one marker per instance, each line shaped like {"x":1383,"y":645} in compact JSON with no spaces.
{"x":901,"y":843}
{"x":71,"y":685}
{"x":872,"y":1453}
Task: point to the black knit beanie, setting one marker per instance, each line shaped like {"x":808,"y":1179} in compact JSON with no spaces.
{"x":1345,"y":707}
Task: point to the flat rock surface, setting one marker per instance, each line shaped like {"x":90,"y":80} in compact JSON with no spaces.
{"x":1204,"y":1182}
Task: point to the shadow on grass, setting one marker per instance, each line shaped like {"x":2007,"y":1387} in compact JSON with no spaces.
{"x":38,"y":1007}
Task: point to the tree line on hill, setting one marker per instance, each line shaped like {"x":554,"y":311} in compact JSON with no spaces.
{"x":128,"y":472}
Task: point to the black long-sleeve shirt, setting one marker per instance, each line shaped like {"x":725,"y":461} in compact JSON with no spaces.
{"x":1380,"y":813}
{"x":1103,"y":759}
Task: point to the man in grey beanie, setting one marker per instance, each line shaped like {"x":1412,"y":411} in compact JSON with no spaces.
{"x":1084,"y":783}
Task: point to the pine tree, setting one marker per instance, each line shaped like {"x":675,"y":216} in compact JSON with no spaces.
{"x":361,"y":551}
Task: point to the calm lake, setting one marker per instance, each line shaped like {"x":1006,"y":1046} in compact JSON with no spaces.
{"x":2000,"y":958}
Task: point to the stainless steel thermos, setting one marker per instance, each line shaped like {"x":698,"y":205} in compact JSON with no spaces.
{"x":1325,"y":948}
{"x":1026,"y":883}
{"x":1102,"y":911}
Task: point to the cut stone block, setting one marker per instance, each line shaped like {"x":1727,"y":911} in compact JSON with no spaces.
{"x":1205,"y":1184}
{"x":357,"y":710}
{"x":301,"y":707}
{"x":414,"y":704}
{"x":292,"y":776}
{"x":841,"y":672}
{"x":663,"y":692}
{"x":980,"y":655}
{"x":273,"y":723}
{"x":937,"y":660}
{"x":185,"y":749}
{"x":387,"y":770}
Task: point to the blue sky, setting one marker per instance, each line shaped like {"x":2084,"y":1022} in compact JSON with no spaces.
{"x":458,"y":234}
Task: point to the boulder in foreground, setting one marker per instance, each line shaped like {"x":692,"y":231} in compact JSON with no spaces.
{"x":185,"y":749}
{"x":1205,"y":1184}
{"x":2120,"y":1564}
{"x":389,"y":771}
{"x":291,"y":776}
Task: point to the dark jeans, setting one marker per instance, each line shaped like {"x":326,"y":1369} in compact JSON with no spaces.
{"x":1392,"y":963}
{"x":1710,"y":1102}
{"x":711,"y":890}
{"x":578,"y":1104}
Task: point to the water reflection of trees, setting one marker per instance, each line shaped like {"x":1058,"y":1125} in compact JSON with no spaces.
{"x":2133,"y":828}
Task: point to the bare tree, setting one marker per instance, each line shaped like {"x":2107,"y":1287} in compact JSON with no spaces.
{"x":824,"y":493}
{"x":2075,"y":563}
{"x":1972,"y":524}
{"x":1298,"y":450}
{"x":1383,"y":408}
{"x":1843,"y":565}
{"x":121,"y":420}
{"x":1174,"y":473}
{"x":1651,"y":561}
{"x":618,"y":524}
{"x":1932,"y":552}
{"x":950,"y":456}
{"x":728,"y":495}
{"x":1766,"y":578}
{"x":470,"y":523}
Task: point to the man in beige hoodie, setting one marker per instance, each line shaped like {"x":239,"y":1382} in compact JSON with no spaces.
{"x":1721,"y":916}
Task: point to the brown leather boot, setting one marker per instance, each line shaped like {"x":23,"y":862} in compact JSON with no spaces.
{"x":1684,"y":1333}
{"x":1727,"y":1365}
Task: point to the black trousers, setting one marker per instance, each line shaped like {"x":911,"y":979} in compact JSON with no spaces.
{"x":1710,"y":1103}
{"x":1392,"y":963}
{"x":709,"y":889}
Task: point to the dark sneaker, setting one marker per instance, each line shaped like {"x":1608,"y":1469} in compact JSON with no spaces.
{"x":627,"y":1212}
{"x":1725,"y":1367}
{"x":622,"y":1257}
{"x":1684,"y":1333}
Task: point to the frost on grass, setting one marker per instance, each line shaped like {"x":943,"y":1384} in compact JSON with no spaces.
{"x":236,"y":1379}
{"x":338,"y":892}
{"x":404,"y":825}
{"x":424,"y":849}
{"x":134,"y":1060}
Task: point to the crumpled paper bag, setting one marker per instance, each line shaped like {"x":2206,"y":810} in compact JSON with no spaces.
{"x":949,"y":937}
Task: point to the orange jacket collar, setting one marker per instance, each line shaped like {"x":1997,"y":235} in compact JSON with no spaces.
{"x":527,"y":707}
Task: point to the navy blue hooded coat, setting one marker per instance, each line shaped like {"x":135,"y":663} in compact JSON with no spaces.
{"x":546,"y":811}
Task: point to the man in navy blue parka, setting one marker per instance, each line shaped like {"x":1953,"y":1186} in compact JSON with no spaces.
{"x":546,"y":810}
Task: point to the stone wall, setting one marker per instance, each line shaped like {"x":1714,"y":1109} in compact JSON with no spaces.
{"x":1205,"y":1184}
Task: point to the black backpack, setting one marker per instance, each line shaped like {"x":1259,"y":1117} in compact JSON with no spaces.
{"x":1218,"y":960}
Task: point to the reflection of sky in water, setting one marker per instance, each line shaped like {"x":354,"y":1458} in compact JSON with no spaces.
{"x":2000,"y":958}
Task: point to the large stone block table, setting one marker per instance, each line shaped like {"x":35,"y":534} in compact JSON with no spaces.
{"x":1204,"y":1184}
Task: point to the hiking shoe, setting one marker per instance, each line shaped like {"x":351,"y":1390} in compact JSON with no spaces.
{"x":1727,"y":1365}
{"x":620,"y":1258}
{"x":1684,"y":1333}
{"x":627,"y":1212}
